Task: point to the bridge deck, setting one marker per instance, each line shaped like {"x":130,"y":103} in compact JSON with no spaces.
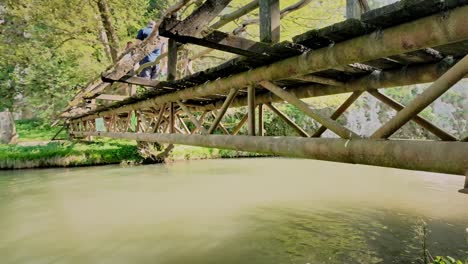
{"x":408,"y":42}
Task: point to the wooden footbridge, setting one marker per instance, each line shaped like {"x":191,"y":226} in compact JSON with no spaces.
{"x":405,"y":43}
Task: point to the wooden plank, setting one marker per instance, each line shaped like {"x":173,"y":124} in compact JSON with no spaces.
{"x":269,"y":21}
{"x":261,"y":130}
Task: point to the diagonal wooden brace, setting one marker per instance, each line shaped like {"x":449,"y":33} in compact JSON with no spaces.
{"x":326,"y":121}
{"x":339,"y":111}
{"x":439,"y":132}
{"x":439,"y":87}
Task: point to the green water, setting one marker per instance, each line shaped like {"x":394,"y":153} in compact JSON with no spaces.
{"x":229,"y":211}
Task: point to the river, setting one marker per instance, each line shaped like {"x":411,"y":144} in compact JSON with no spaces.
{"x":267,"y":210}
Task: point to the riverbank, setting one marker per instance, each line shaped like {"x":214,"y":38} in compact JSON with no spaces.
{"x":35,"y":150}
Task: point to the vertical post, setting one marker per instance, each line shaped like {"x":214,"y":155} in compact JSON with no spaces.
{"x":260,"y":120}
{"x":251,"y":110}
{"x":172,"y":60}
{"x":269,"y":21}
{"x":171,"y":119}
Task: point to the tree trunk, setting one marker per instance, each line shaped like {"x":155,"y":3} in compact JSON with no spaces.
{"x":7,"y":128}
{"x":110,"y":31}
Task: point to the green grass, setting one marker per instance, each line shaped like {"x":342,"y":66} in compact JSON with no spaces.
{"x":35,"y":130}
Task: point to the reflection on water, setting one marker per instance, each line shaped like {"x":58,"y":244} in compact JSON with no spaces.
{"x":229,"y":211}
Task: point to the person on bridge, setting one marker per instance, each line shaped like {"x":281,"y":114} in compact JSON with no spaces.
{"x":151,"y":72}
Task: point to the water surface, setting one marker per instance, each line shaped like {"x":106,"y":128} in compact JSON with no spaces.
{"x":230,"y":211}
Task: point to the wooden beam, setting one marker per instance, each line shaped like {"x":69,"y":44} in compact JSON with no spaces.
{"x":241,"y":123}
{"x":111,"y":97}
{"x":171,"y":118}
{"x":192,"y":117}
{"x":319,"y":79}
{"x":221,"y":41}
{"x":230,"y":97}
{"x":201,"y":121}
{"x":172,"y":60}
{"x":201,"y":17}
{"x":326,"y":121}
{"x":269,"y":21}
{"x":184,"y":126}
{"x":224,"y":19}
{"x":339,"y":111}
{"x":434,"y":156}
{"x":439,"y":87}
{"x":139,"y":81}
{"x":288,"y":121}
{"x":251,"y":109}
{"x":215,"y":115}
{"x":162,"y":110}
{"x":261,"y":130}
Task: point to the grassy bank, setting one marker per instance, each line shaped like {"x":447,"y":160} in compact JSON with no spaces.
{"x":34,"y":150}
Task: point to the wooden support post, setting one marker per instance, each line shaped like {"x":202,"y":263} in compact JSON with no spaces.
{"x":439,"y":132}
{"x":288,"y":121}
{"x":172,"y":60}
{"x":260,"y":121}
{"x":230,"y":97}
{"x":339,"y":111}
{"x":439,"y":87}
{"x":192,"y":117}
{"x":251,"y":109}
{"x":162,"y":110}
{"x":240,"y":125}
{"x":326,"y":121}
{"x":171,"y":118}
{"x":269,"y":21}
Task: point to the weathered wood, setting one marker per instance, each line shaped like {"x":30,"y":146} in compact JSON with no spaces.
{"x":439,"y":87}
{"x":305,"y":108}
{"x":269,"y":21}
{"x":184,"y":126}
{"x":438,"y":156}
{"x":318,"y":79}
{"x":452,"y":28}
{"x":288,"y":121}
{"x":216,"y":116}
{"x":261,"y":130}
{"x":230,"y":97}
{"x":225,"y":19}
{"x":200,"y":18}
{"x":192,"y":117}
{"x":241,"y":123}
{"x":172,"y":60}
{"x":171,"y":118}
{"x":343,"y":107}
{"x":439,"y":132}
{"x":111,"y":97}
{"x":222,"y":41}
{"x":251,"y":110}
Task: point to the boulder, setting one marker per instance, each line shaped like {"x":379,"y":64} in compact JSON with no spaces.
{"x":7,"y":128}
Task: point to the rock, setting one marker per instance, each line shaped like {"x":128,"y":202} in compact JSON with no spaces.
{"x":7,"y":128}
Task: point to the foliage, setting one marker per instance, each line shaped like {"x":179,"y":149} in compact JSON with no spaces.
{"x":34,"y":130}
{"x":446,"y":260}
